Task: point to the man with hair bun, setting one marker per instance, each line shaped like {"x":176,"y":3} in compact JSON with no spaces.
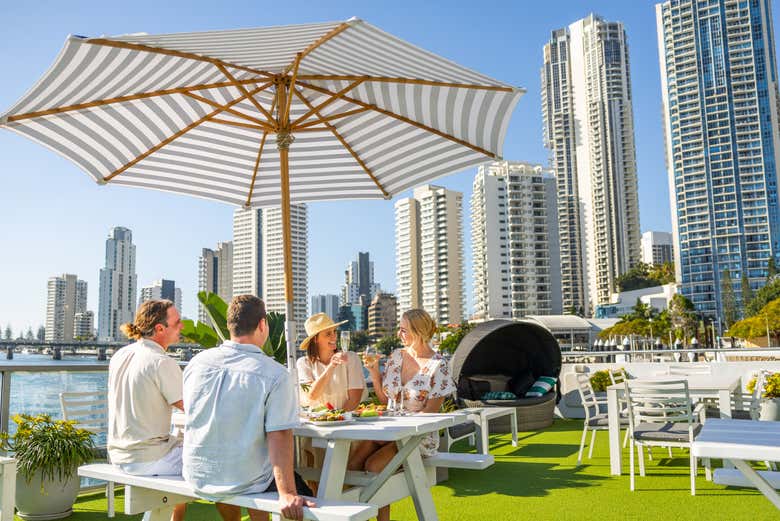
{"x":143,"y":384}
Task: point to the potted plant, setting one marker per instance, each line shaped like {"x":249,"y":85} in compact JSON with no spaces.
{"x":770,"y":405}
{"x":47,"y":454}
{"x":600,"y":381}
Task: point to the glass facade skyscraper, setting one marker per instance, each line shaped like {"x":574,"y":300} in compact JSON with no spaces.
{"x":719,"y":85}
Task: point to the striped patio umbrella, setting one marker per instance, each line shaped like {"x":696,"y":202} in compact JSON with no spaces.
{"x":265,"y":117}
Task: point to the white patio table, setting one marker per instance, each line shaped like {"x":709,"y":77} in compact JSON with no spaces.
{"x":699,"y":386}
{"x":386,"y":486}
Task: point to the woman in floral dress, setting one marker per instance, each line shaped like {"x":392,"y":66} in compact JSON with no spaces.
{"x":415,"y":376}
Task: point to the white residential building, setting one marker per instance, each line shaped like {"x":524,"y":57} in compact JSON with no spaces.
{"x":589,"y":130}
{"x":514,"y":230}
{"x":258,"y":259}
{"x":84,"y":326}
{"x":162,"y":289}
{"x":657,"y":247}
{"x":215,"y":274}
{"x":66,"y":298}
{"x":429,"y":253}
{"x":719,"y":87}
{"x":118,"y":285}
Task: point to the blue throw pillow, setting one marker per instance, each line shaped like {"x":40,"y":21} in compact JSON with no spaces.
{"x":541,"y":386}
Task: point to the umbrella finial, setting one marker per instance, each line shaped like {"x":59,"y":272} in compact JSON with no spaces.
{"x":101,"y":181}
{"x":354,"y":21}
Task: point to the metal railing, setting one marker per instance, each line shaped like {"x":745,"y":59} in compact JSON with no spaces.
{"x":771,"y":352}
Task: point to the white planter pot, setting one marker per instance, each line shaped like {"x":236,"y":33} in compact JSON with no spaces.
{"x":770,"y":409}
{"x":43,"y":499}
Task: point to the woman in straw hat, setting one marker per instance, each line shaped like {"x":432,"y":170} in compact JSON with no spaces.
{"x":333,"y":377}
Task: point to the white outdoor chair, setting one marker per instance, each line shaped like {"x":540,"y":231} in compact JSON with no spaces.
{"x":458,"y":432}
{"x":594,"y":421}
{"x":90,"y":412}
{"x":660,"y":413}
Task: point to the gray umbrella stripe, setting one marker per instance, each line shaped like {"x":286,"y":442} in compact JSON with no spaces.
{"x":115,"y":124}
{"x":451,"y":111}
{"x":140,"y":126}
{"x":34,"y":132}
{"x":180,"y":175}
{"x":116,"y":77}
{"x":386,"y":51}
{"x":69,"y":77}
{"x":185,"y":74}
{"x":428,"y":61}
{"x":399,"y":144}
{"x":179,"y":105}
{"x":106,"y":157}
{"x":161,"y":112}
{"x":468,"y":108}
{"x":196,"y":106}
{"x":233,"y":200}
{"x":402,"y":164}
{"x":482,"y":119}
{"x":135,"y":80}
{"x":163,"y":39}
{"x":98,"y":132}
{"x":113,"y":59}
{"x":371,"y":138}
{"x":503,"y":113}
{"x":462,"y":161}
{"x":30,"y":100}
{"x":196,"y":163}
{"x":138,"y":110}
{"x":51,"y":130}
{"x":175,"y":178}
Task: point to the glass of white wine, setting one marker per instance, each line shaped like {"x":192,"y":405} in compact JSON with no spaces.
{"x":344,"y":340}
{"x":370,"y":356}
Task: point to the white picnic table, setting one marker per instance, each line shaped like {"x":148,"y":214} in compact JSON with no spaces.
{"x":700,"y":386}
{"x":387,"y":486}
{"x":742,"y":441}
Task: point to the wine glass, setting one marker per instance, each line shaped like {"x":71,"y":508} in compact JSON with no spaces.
{"x":370,"y":355}
{"x":345,"y":340}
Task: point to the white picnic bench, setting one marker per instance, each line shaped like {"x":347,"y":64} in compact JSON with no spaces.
{"x":156,"y":496}
{"x":742,"y":441}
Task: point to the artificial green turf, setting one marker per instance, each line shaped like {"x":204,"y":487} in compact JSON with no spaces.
{"x":539,"y":480}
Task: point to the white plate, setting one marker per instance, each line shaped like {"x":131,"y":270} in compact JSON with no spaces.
{"x":331,"y":423}
{"x":370,"y":418}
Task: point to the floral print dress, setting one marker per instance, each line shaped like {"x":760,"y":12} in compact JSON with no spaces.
{"x":433,"y":380}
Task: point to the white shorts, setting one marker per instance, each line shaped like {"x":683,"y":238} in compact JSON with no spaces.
{"x":168,"y":465}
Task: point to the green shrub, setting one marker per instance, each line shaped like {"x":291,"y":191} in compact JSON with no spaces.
{"x":55,"y":447}
{"x":600,"y":381}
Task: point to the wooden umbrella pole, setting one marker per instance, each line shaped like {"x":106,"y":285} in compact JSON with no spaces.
{"x":283,"y":140}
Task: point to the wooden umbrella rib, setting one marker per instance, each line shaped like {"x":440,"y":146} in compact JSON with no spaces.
{"x":164,"y":142}
{"x":405,"y":120}
{"x":232,"y":111}
{"x":333,"y":97}
{"x":330,"y":118}
{"x":257,"y":167}
{"x":170,"y":52}
{"x":243,"y":90}
{"x":346,"y":145}
{"x":130,"y":97}
{"x":238,"y":124}
{"x":410,"y":81}
{"x":292,"y":86}
{"x":324,"y":38}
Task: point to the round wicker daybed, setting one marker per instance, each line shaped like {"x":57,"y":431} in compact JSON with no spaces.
{"x":505,"y":355}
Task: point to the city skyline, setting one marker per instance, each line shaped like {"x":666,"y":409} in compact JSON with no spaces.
{"x":171,"y":231}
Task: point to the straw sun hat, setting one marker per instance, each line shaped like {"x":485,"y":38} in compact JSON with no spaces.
{"x":317,"y":324}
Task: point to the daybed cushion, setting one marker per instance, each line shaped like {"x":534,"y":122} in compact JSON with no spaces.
{"x":520,"y":383}
{"x":541,"y":386}
{"x":497,"y":382}
{"x":664,"y":431}
{"x":520,"y":402}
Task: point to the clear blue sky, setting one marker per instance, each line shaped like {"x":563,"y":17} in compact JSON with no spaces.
{"x":54,"y":219}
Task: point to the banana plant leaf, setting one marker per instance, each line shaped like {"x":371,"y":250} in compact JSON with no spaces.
{"x":199,"y":333}
{"x":216,"y":309}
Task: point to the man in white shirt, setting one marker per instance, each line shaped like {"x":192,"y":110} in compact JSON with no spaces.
{"x":144,"y":383}
{"x":240,"y":411}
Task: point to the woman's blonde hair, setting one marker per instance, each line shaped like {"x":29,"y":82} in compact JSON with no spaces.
{"x":149,"y":314}
{"x":420,"y":324}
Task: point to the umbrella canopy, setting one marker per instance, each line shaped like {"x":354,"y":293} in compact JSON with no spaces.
{"x":265,"y":117}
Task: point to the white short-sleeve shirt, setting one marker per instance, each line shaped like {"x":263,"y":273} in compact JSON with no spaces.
{"x":233,"y":395}
{"x":344,"y":377}
{"x":143,"y":383}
